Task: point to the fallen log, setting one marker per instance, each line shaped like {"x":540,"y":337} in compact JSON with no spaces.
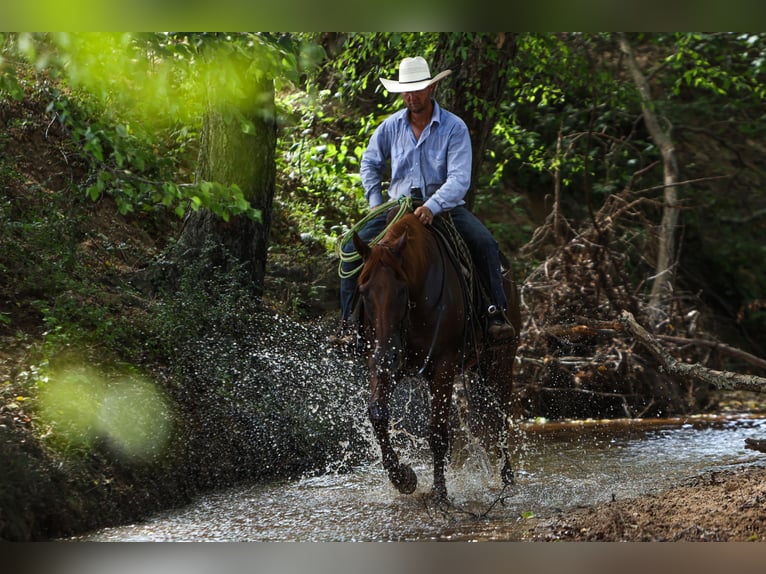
{"x":724,"y":380}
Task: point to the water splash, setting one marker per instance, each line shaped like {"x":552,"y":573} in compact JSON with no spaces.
{"x":280,"y":376}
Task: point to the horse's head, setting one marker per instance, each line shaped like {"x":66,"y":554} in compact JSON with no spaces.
{"x":385,"y":296}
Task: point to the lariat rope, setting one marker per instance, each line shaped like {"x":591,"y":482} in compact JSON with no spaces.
{"x":405,"y":205}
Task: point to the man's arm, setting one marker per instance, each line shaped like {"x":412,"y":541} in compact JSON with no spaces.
{"x":374,"y":161}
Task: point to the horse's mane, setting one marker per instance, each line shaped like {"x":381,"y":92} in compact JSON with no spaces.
{"x":414,"y":255}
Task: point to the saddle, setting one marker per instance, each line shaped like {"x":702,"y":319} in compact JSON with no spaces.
{"x":474,"y":292}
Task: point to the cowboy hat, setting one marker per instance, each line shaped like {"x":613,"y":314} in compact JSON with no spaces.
{"x":414,"y":75}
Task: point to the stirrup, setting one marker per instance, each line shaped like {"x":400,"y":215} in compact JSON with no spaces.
{"x":498,"y":327}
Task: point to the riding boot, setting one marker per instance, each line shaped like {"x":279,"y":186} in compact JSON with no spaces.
{"x":498,"y":327}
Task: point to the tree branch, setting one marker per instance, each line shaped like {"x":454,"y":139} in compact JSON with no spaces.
{"x":724,"y":380}
{"x":720,"y":347}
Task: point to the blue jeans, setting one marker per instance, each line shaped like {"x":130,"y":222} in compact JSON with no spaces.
{"x":348,"y":284}
{"x":478,"y":239}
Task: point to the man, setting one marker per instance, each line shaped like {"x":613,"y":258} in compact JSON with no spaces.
{"x":428,"y":150}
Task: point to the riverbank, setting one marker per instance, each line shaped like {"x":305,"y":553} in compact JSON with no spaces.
{"x":717,"y":505}
{"x":725,"y":506}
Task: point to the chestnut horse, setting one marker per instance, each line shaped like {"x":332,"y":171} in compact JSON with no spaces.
{"x":418,"y":318}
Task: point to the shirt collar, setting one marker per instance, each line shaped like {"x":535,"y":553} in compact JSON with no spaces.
{"x":436,"y":116}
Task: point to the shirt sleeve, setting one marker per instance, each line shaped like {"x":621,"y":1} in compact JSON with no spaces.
{"x":459,"y":158}
{"x":374,"y":161}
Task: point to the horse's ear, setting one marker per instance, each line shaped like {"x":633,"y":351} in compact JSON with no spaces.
{"x":361,"y":247}
{"x":401,"y":242}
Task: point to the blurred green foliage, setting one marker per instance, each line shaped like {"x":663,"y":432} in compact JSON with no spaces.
{"x":246,"y":390}
{"x":131,"y":106}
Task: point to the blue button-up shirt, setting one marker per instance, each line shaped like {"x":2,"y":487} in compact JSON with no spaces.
{"x":439,"y":163}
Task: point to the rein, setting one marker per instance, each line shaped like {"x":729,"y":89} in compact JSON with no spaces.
{"x":439,"y":302}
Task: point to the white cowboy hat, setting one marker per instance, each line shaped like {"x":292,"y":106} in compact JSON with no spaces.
{"x":414,"y":75}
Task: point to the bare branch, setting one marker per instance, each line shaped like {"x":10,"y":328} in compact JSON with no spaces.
{"x":725,"y":380}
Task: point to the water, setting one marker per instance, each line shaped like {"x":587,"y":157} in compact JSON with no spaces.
{"x":558,"y":467}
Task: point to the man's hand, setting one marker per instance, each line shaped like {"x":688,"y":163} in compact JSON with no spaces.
{"x":424,"y":215}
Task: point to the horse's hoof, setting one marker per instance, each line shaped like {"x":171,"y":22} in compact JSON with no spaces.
{"x":507,"y":474}
{"x":403,"y":478}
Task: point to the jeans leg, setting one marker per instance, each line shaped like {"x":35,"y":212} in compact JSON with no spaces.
{"x":485,"y":253}
{"x":348,"y":284}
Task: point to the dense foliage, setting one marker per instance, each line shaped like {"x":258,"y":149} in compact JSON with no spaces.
{"x":568,"y":124}
{"x":99,"y":156}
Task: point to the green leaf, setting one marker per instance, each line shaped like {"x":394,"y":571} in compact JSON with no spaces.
{"x":242,"y":204}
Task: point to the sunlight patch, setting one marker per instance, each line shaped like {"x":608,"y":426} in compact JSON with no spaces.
{"x":83,"y":407}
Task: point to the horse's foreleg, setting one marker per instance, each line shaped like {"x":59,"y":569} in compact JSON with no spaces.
{"x":441,"y":397}
{"x":506,"y":473}
{"x":400,"y":475}
{"x":499,"y":367}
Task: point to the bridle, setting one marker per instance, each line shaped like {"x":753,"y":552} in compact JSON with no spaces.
{"x":405,"y":323}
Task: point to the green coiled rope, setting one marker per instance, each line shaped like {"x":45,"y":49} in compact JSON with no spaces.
{"x":405,"y":205}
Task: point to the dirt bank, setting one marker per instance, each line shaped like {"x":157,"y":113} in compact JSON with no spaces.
{"x":724,"y":506}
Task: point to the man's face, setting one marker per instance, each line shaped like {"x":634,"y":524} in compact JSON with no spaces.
{"x":418,"y":101}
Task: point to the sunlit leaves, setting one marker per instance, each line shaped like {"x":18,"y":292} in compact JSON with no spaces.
{"x":319,"y":167}
{"x":133,"y":104}
{"x":726,"y":64}
{"x":223,"y":200}
{"x":9,"y":83}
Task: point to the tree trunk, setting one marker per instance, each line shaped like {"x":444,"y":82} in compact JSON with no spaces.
{"x":230,"y":155}
{"x":479,"y":64}
{"x":662,"y":286}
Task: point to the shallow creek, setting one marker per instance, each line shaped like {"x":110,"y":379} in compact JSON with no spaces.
{"x":558,"y":466}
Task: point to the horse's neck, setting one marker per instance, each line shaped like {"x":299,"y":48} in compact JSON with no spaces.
{"x":419,"y":272}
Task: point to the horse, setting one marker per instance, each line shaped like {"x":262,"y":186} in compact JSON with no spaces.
{"x":417,"y":317}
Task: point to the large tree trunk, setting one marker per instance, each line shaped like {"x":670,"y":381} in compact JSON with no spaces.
{"x":662,"y":286}
{"x":479,"y":64}
{"x":230,"y":155}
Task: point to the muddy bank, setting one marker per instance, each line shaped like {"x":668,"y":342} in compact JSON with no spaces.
{"x":725,"y":506}
{"x":43,"y":496}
